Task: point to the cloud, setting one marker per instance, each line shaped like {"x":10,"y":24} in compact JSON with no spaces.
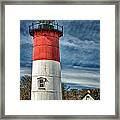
{"x":83,"y":29}
{"x":81,"y":77}
{"x":76,"y":52}
{"x":24,"y":32}
{"x":71,"y":41}
{"x":25,"y":71}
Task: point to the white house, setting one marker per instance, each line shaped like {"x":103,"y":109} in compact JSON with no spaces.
{"x":88,"y":96}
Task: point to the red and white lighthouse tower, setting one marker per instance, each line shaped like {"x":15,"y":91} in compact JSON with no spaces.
{"x":46,"y":70}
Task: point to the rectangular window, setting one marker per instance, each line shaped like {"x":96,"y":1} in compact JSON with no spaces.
{"x":41,"y":83}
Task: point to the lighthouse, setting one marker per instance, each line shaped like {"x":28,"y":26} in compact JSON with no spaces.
{"x":46,"y":69}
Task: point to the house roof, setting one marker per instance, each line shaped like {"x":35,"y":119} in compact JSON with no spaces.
{"x":87,"y":94}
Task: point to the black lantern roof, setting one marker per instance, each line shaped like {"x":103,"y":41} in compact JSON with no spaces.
{"x":45,"y":25}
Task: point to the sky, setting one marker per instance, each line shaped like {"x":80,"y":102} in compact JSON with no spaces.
{"x":79,"y":52}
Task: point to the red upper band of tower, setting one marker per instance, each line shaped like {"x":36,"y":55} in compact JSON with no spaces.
{"x":46,"y":40}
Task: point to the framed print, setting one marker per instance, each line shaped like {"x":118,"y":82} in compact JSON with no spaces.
{"x":60,"y":60}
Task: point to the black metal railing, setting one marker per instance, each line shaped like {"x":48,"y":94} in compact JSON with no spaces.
{"x":45,"y":26}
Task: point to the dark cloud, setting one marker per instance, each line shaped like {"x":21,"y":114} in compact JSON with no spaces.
{"x":83,"y":29}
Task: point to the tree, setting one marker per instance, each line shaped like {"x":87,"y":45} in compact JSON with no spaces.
{"x":25,"y":87}
{"x":63,"y":91}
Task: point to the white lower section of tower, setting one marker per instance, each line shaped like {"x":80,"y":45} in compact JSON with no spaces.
{"x":46,"y":80}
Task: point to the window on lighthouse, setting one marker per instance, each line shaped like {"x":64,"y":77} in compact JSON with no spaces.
{"x":41,"y":83}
